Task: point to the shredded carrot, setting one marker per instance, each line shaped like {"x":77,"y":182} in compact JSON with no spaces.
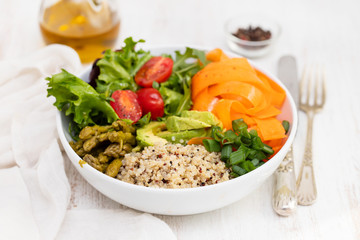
{"x":249,"y":120}
{"x":197,"y":140}
{"x":221,"y":110}
{"x":216,"y":55}
{"x":270,"y":128}
{"x":231,"y":89}
{"x":279,"y":93}
{"x":244,"y":92}
{"x":276,"y":144}
{"x":230,"y":70}
{"x":203,"y":100}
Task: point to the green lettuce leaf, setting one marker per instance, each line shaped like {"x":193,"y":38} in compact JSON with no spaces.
{"x":118,"y":68}
{"x":79,"y":100}
{"x":176,"y":91}
{"x":171,"y":99}
{"x":185,"y":101}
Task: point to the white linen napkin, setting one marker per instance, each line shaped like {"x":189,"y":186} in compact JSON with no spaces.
{"x":34,"y":189}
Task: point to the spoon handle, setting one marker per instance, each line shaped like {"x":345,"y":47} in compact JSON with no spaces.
{"x":284,"y":198}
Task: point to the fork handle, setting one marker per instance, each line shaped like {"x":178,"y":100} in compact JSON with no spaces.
{"x":305,"y":184}
{"x":284,"y":196}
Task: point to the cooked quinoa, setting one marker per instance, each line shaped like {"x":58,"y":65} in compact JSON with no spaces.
{"x":173,"y":166}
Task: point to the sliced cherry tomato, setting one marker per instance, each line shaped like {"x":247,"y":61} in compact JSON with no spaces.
{"x":156,"y":69}
{"x":126,"y":105}
{"x":150,"y":100}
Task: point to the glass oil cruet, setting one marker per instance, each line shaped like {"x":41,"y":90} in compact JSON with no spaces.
{"x":88,"y":26}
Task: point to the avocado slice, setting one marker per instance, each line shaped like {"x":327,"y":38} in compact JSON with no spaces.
{"x":183,"y":136}
{"x":146,"y":136}
{"x":177,"y":124}
{"x":203,"y":116}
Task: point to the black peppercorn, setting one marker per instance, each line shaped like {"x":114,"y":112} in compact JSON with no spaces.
{"x":252,"y":34}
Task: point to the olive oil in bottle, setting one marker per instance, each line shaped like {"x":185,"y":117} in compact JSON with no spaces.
{"x":88,"y":26}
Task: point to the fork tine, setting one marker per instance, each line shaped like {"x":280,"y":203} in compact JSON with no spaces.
{"x":309,"y":85}
{"x":320,"y":80}
{"x":323,"y":99}
{"x":317,"y":86}
{"x":302,"y":84}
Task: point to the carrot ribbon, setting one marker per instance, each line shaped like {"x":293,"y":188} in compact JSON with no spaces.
{"x":231,"y":89}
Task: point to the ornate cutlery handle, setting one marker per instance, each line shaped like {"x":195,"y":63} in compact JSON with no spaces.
{"x":284,"y":198}
{"x":305,"y":184}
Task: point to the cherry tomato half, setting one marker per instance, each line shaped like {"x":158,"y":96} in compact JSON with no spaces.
{"x":150,"y":100}
{"x":126,"y":105}
{"x":156,"y":69}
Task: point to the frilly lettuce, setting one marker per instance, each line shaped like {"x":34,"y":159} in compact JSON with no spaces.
{"x":78,"y":99}
{"x":118,"y":68}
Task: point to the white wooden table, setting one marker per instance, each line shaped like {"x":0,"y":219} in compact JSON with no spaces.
{"x":322,"y":31}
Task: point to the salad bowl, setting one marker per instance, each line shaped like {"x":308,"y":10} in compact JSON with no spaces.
{"x":184,"y":201}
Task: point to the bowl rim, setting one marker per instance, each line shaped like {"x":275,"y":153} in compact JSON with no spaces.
{"x":274,"y":35}
{"x":74,"y":158}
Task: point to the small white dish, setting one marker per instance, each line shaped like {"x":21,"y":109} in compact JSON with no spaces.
{"x":246,"y":48}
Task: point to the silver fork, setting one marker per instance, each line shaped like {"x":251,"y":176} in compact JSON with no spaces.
{"x":311,"y":101}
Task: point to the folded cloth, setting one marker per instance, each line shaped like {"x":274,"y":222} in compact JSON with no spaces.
{"x":34,"y":189}
{"x":112,"y":224}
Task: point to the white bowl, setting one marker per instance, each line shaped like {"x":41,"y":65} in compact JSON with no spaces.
{"x":181,"y":201}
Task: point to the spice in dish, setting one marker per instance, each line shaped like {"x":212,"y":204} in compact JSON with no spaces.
{"x":252,"y":34}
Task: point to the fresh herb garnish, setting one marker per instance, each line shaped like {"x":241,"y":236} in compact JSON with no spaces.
{"x":211,"y":145}
{"x":286,"y":125}
{"x":144,"y":120}
{"x":241,"y":150}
